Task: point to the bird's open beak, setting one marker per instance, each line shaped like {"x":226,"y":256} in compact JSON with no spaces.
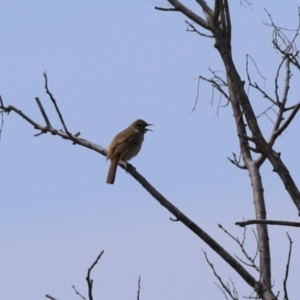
{"x":148,"y":128}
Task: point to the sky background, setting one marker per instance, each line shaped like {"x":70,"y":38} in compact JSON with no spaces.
{"x":108,"y":64}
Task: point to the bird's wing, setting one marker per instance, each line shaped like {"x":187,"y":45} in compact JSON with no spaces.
{"x":124,"y":139}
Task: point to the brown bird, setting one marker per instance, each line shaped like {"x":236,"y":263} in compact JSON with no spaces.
{"x":125,"y":146}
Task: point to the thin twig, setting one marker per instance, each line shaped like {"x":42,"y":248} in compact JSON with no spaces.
{"x":287,"y":269}
{"x":43,"y":111}
{"x":286,"y":123}
{"x":247,"y":2}
{"x":218,"y":86}
{"x":50,"y":297}
{"x":288,"y":76}
{"x":265,"y":112}
{"x":88,"y":277}
{"x":77,"y":293}
{"x":276,"y":81}
{"x":257,"y":244}
{"x":55,"y":105}
{"x":165,"y":9}
{"x":192,"y":28}
{"x":257,"y":69}
{"x":225,"y":287}
{"x":197,"y":96}
{"x":2,"y":118}
{"x":242,"y":247}
{"x":139,"y":288}
{"x":237,"y":162}
{"x":264,"y":94}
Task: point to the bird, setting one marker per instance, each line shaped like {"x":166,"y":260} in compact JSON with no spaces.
{"x":125,"y":146}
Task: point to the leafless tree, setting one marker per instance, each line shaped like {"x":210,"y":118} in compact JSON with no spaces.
{"x":255,"y":147}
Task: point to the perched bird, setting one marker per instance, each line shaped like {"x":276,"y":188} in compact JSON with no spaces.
{"x":125,"y":146}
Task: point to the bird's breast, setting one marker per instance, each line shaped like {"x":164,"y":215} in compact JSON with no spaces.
{"x":132,"y":150}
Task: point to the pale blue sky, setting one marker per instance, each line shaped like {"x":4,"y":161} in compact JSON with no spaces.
{"x":109,"y":63}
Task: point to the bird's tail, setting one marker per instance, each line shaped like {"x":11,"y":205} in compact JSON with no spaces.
{"x":112,"y":171}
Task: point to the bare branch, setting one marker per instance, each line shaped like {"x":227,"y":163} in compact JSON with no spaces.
{"x":191,"y":28}
{"x":237,"y":162}
{"x":280,"y":168}
{"x":45,"y":129}
{"x":195,"y":228}
{"x":218,"y":86}
{"x":287,"y":269}
{"x":234,"y":290}
{"x":276,"y":80}
{"x":283,"y":44}
{"x":55,"y":105}
{"x":254,"y":84}
{"x":43,"y":111}
{"x":228,"y":22}
{"x":240,"y":99}
{"x":88,"y":277}
{"x":50,"y":297}
{"x":265,"y":112}
{"x":257,"y":243}
{"x":226,"y":288}
{"x":190,"y":14}
{"x":288,"y":76}
{"x":247,"y":2}
{"x":222,"y":290}
{"x":139,"y":288}
{"x":217,"y":10}
{"x":268,"y":222}
{"x":206,"y":9}
{"x":266,"y":148}
{"x":285,"y":124}
{"x":219,"y":78}
{"x":265,"y":95}
{"x":10,"y":108}
{"x":165,"y":9}
{"x":217,"y":83}
{"x":158,"y":196}
{"x":77,"y":293}
{"x":242,"y":247}
{"x":2,"y":117}
{"x":197,"y":96}
{"x":249,"y":130}
{"x":281,"y":103}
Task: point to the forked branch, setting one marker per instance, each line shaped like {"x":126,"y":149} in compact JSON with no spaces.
{"x":225,"y":287}
{"x":241,"y":243}
{"x":88,"y":277}
{"x":179,"y":215}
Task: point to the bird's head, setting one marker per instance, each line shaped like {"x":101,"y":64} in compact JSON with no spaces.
{"x":141,"y":125}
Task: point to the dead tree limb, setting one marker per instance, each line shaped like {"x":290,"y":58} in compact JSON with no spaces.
{"x":287,"y":269}
{"x":268,"y":222}
{"x":88,"y":277}
{"x":179,"y":215}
